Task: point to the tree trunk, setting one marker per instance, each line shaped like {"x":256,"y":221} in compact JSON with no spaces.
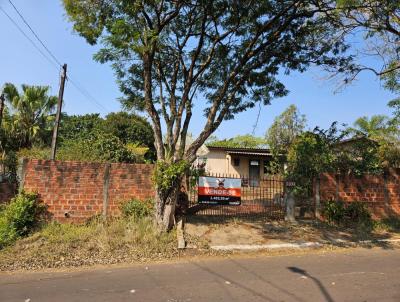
{"x":165,"y":207}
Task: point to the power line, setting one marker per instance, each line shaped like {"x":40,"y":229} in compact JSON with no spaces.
{"x":76,"y":84}
{"x":29,"y":39}
{"x":84,"y":92}
{"x":34,"y":33}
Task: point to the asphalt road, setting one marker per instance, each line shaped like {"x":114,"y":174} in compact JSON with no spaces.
{"x":354,"y":275}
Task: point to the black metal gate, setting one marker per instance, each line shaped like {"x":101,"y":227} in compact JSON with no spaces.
{"x":264,"y":197}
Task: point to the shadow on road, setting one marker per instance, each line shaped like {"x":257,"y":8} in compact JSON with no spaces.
{"x":242,"y":267}
{"x":239,"y":285}
{"x":321,"y":287}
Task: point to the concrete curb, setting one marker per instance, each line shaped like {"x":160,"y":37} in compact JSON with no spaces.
{"x":279,"y":246}
{"x":275,"y":246}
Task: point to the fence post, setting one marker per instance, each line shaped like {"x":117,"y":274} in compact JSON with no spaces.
{"x":317,"y":197}
{"x":106,"y":185}
{"x":23,"y":162}
{"x":290,"y":202}
{"x":337,"y":179}
{"x":386,"y":192}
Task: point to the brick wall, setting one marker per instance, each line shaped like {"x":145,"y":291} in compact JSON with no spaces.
{"x":76,"y":191}
{"x":7,"y":191}
{"x":380,"y":192}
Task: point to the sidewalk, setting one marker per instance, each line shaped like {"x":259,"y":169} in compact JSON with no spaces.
{"x":261,"y":234}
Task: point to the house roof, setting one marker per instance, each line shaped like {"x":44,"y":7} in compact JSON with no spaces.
{"x":354,"y":139}
{"x":241,"y":150}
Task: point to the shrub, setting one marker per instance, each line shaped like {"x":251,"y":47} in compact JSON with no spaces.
{"x":357,"y":212}
{"x":334,"y":212}
{"x":20,"y":217}
{"x":35,"y":153}
{"x":353,"y":213}
{"x":137,"y":208}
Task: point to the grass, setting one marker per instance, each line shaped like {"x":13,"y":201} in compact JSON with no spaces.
{"x":389,"y":224}
{"x":98,"y":242}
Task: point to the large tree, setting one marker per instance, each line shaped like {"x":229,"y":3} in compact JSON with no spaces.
{"x":282,"y":133}
{"x":221,"y":55}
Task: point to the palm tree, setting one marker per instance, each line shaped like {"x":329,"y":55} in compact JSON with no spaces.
{"x":32,"y":113}
{"x":374,"y":128}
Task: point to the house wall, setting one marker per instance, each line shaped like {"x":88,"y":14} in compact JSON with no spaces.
{"x":218,"y":161}
{"x":76,"y":191}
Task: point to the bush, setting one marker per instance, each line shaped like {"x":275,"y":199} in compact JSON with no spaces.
{"x":98,"y":148}
{"x":357,"y":212}
{"x":35,"y":153}
{"x":22,"y":215}
{"x":353,"y":213}
{"x":334,"y":212}
{"x":137,"y":208}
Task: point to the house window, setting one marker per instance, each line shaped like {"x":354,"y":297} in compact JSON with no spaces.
{"x":236,"y":162}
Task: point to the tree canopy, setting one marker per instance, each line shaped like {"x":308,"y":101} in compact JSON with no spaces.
{"x":285,"y":128}
{"x":377,"y":22}
{"x":239,"y":141}
{"x":169,"y":55}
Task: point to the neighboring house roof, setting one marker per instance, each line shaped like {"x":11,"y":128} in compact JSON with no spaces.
{"x":355,"y":139}
{"x":241,"y":150}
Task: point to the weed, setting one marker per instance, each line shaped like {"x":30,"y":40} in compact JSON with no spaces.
{"x":20,"y":217}
{"x":137,"y":208}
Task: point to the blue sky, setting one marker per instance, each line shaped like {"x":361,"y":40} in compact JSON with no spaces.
{"x":21,"y":63}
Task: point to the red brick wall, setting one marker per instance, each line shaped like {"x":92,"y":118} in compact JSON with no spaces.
{"x":7,"y":191}
{"x":127,"y":181}
{"x":382,"y":197}
{"x":74,"y":191}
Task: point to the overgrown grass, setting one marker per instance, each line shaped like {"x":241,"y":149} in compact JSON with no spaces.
{"x":389,"y":224}
{"x":98,"y":242}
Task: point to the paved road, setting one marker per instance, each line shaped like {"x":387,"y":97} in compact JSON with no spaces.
{"x":354,"y":275}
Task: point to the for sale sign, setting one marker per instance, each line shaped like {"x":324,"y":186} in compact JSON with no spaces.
{"x":219,"y":191}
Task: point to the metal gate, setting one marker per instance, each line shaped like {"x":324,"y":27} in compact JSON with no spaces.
{"x":264,"y":197}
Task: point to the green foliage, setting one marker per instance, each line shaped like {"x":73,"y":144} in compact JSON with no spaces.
{"x":351,"y":214}
{"x":166,"y":175}
{"x":391,"y":224}
{"x":240,"y":141}
{"x":374,"y":127}
{"x":35,"y":153}
{"x":377,"y":22}
{"x":130,"y":134}
{"x":31,"y":115}
{"x":27,"y":121}
{"x":20,"y":217}
{"x":100,"y":148}
{"x":321,"y":151}
{"x":357,"y":212}
{"x":74,"y":127}
{"x":97,"y":148}
{"x":334,"y":212}
{"x":137,"y":208}
{"x":358,"y":156}
{"x":309,"y":155}
{"x":282,"y":134}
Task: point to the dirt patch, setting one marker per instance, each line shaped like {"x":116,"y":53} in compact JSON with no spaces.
{"x":243,"y":232}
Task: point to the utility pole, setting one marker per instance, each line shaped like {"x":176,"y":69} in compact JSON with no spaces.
{"x":2,"y":100}
{"x":58,"y":114}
